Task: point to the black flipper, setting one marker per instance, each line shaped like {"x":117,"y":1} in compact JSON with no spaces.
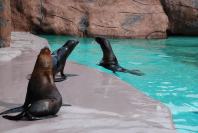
{"x":71,"y":75}
{"x":33,"y":118}
{"x":60,"y":79}
{"x":30,"y":117}
{"x":16,"y":117}
{"x":23,"y":115}
{"x":14,"y":110}
{"x":135,"y":72}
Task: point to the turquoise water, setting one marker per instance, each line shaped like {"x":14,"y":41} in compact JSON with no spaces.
{"x":170,"y":65}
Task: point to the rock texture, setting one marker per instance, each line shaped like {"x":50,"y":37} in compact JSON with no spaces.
{"x":113,"y":18}
{"x":183,"y":16}
{"x":5,"y":23}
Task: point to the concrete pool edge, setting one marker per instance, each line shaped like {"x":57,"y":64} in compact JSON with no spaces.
{"x":91,"y":90}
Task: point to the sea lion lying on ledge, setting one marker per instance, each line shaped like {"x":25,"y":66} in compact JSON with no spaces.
{"x":43,"y":99}
{"x":59,"y":58}
{"x":109,"y":60}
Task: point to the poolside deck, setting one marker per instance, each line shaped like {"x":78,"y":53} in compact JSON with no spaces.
{"x":101,"y":103}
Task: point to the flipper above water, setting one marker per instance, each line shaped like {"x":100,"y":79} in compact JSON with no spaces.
{"x":59,"y":79}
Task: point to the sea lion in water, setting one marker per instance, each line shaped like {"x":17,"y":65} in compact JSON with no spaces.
{"x":109,"y":60}
{"x":60,"y":56}
{"x":43,"y":99}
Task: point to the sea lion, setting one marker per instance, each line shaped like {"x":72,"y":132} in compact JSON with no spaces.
{"x":59,"y":58}
{"x":43,"y":99}
{"x":109,"y":60}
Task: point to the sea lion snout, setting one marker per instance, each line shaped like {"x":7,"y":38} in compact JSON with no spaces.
{"x":45,"y":50}
{"x":71,"y":43}
{"x":75,"y":41}
{"x":44,"y":58}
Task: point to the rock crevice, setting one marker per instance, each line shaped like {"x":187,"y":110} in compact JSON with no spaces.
{"x":182,"y":16}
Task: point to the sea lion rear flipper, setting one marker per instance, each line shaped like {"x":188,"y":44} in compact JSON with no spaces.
{"x":14,"y":110}
{"x":16,"y":117}
{"x":135,"y":72}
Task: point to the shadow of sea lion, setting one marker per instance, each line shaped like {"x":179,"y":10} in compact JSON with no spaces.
{"x":58,"y":77}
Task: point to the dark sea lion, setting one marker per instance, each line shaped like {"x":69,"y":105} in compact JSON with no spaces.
{"x":109,"y":60}
{"x":59,"y":58}
{"x":43,"y":99}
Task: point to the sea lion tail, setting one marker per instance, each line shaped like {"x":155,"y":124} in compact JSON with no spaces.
{"x":135,"y":72}
{"x":14,"y":110}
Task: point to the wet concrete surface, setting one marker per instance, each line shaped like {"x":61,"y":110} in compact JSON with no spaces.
{"x":101,"y":103}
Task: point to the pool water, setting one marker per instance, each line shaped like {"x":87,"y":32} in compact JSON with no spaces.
{"x":170,"y":67}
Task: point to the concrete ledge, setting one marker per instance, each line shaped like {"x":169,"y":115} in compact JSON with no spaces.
{"x":22,"y":42}
{"x":7,"y":54}
{"x":101,"y":103}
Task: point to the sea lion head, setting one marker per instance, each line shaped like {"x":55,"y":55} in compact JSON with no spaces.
{"x":44,"y":59}
{"x":100,"y":39}
{"x":70,"y":43}
{"x":68,"y":47}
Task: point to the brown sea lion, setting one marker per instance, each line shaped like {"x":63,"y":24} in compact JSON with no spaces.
{"x":109,"y":60}
{"x":43,"y":99}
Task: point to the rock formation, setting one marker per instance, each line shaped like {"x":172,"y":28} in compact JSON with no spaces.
{"x":5,"y":23}
{"x":183,"y":16}
{"x":113,"y":18}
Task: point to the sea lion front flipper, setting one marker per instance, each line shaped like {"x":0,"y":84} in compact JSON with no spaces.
{"x":71,"y":75}
{"x":60,"y":79}
{"x":30,"y":117}
{"x":14,"y":110}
